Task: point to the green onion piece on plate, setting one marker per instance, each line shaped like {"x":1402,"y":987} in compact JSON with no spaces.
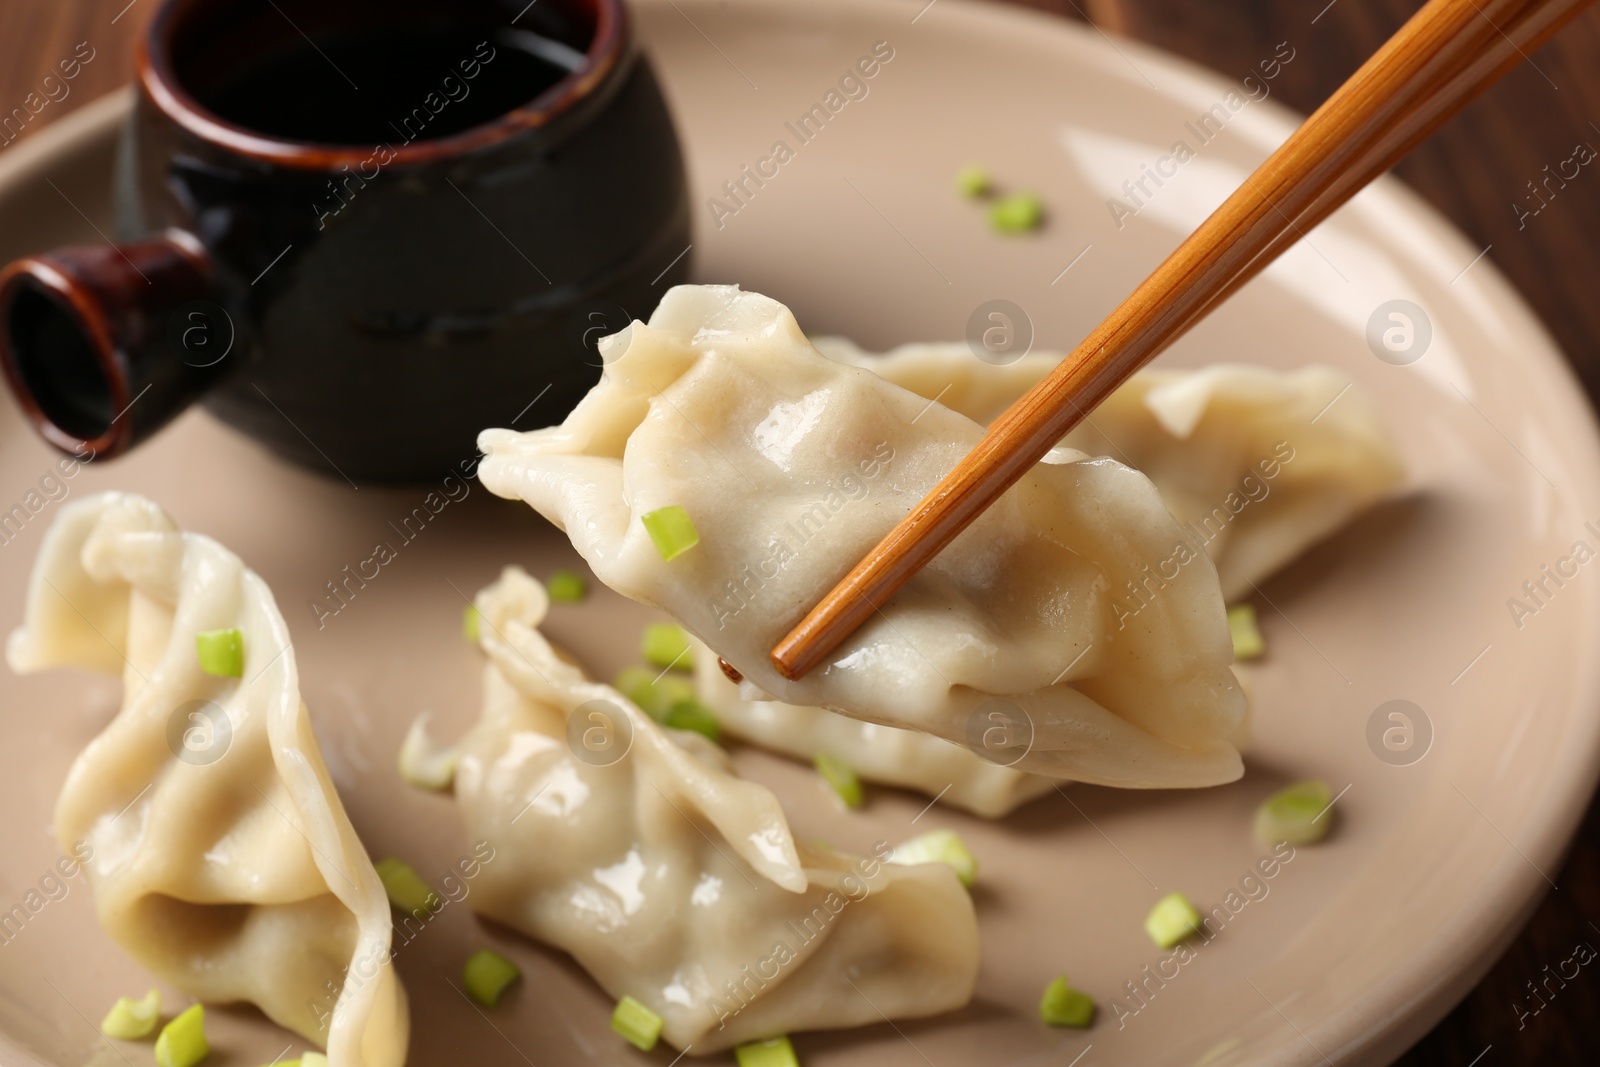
{"x":471,"y":620}
{"x":129,"y":1019}
{"x":1017,"y":213}
{"x":693,"y":715}
{"x":666,"y":645}
{"x":313,"y":1059}
{"x":638,"y":685}
{"x":939,"y":846}
{"x":182,"y":1042}
{"x":637,"y":1024}
{"x":1297,"y":814}
{"x":841,"y":778}
{"x":487,"y":975}
{"x":972,"y":181}
{"x":1247,"y":642}
{"x":672,"y":531}
{"x":567,"y":587}
{"x":221,"y":652}
{"x":1062,"y":1005}
{"x":406,"y":889}
{"x":1171,"y":920}
{"x":653,"y":695}
{"x":773,"y":1052}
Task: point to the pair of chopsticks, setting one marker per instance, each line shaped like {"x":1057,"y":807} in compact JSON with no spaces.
{"x":1447,"y":54}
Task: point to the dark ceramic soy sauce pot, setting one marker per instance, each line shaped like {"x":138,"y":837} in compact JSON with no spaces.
{"x":360,"y":232}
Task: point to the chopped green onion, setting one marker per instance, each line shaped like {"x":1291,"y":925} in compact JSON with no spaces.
{"x":486,"y":976}
{"x":566,"y":587}
{"x":693,"y":715}
{"x":653,"y":695}
{"x":221,"y":652}
{"x":638,"y":685}
{"x":1247,"y":642}
{"x":1017,"y":213}
{"x":424,"y":762}
{"x":470,"y":619}
{"x":841,"y":778}
{"x":672,"y":531}
{"x":972,"y":181}
{"x":773,"y":1052}
{"x":406,"y":889}
{"x":637,"y":1024}
{"x":1295,"y":814}
{"x":1062,"y":1005}
{"x":939,"y":846}
{"x":666,"y":645}
{"x":131,"y":1019}
{"x":1171,"y":920}
{"x":182,"y":1042}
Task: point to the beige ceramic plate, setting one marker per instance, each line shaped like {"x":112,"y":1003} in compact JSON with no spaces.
{"x":1357,"y":946}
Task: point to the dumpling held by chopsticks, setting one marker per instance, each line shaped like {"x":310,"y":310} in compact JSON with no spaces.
{"x":725,"y":471}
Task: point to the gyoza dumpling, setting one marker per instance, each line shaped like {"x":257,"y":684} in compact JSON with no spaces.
{"x":222,"y":859}
{"x":1073,"y":625}
{"x":672,"y":880}
{"x":1258,"y":463}
{"x":956,"y":775}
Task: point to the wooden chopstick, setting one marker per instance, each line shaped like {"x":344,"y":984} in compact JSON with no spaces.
{"x":1523,"y":36}
{"x":1428,"y":70}
{"x":1525,"y":33}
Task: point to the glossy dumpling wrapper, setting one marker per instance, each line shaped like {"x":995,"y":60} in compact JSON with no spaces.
{"x":792,"y":465}
{"x":958,"y":776}
{"x":232,"y":872}
{"x":953,"y":775}
{"x":1236,"y":455}
{"x":1259,"y":463}
{"x":672,"y":880}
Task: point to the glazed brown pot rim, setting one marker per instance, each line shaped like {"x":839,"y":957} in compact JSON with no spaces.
{"x":50,"y":282}
{"x":159,"y":85}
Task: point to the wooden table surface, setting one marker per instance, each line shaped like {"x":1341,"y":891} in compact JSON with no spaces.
{"x":1477,"y":170}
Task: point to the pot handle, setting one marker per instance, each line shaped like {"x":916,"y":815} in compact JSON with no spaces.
{"x":104,"y":344}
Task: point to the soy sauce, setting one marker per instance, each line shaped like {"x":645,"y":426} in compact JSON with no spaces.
{"x":388,"y":81}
